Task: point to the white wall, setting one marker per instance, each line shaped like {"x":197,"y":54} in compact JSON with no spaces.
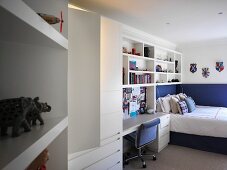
{"x":205,"y":54}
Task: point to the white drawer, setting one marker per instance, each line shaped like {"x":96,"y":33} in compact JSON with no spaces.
{"x":118,"y":166}
{"x":163,"y":131}
{"x":111,"y":125}
{"x":164,"y":120}
{"x":111,"y":101}
{"x":106,"y":163}
{"x":163,"y":142}
{"x":87,"y":159}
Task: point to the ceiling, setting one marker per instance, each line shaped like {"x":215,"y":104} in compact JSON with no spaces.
{"x":189,"y":20}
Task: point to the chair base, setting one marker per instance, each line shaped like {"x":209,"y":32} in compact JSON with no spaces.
{"x":141,"y":156}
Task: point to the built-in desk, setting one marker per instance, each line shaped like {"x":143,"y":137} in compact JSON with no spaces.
{"x":132,"y":124}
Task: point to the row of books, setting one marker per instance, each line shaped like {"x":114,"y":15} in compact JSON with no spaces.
{"x":139,"y":79}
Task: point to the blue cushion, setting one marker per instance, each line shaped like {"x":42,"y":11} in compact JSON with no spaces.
{"x":190,"y":103}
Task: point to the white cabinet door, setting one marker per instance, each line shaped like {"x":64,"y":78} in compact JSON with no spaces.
{"x":110,"y":55}
{"x":83,"y":80}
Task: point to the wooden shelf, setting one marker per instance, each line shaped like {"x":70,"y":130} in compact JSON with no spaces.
{"x":21,"y":24}
{"x":21,"y":151}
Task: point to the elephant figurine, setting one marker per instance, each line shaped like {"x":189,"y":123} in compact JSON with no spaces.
{"x":35,"y":113}
{"x":20,"y":112}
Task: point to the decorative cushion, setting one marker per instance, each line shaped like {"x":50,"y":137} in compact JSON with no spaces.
{"x":183,"y":107}
{"x":165,"y":104}
{"x":158,"y":105}
{"x":174,"y":103}
{"x":182,"y":96}
{"x":190,"y":104}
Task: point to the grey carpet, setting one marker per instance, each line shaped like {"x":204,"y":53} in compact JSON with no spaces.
{"x":182,"y":158}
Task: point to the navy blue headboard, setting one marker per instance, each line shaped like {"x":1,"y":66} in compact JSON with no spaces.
{"x":206,"y":94}
{"x":162,"y":91}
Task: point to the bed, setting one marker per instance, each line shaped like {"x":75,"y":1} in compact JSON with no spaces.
{"x":205,"y":128}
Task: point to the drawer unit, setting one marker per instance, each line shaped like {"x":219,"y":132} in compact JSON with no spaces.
{"x":165,"y":120}
{"x":163,"y":142}
{"x":87,"y":159}
{"x":163,"y":131}
{"x":163,"y":134}
{"x":118,"y":166}
{"x":108,"y":163}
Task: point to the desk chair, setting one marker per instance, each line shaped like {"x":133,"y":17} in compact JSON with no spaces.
{"x":145,"y":135}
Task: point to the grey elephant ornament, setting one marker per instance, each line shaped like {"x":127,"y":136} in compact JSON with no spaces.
{"x":20,"y":112}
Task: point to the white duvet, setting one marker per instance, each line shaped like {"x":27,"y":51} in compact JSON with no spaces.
{"x":205,"y":121}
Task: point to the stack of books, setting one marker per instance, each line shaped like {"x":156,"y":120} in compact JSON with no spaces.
{"x":139,"y":79}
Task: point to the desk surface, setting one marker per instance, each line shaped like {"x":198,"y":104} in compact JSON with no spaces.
{"x":131,"y":125}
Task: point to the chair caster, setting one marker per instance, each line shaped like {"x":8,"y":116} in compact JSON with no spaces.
{"x":144,"y":166}
{"x":154,"y":158}
{"x":126,"y":162}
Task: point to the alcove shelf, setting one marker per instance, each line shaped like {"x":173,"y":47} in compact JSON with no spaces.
{"x":25,"y":24}
{"x":21,"y":151}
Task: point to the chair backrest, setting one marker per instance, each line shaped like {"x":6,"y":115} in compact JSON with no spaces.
{"x":146,"y":133}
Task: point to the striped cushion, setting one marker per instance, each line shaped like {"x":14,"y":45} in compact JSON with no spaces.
{"x":183,"y":107}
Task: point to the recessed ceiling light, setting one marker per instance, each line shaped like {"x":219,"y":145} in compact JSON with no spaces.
{"x":167,"y":23}
{"x":220,"y":13}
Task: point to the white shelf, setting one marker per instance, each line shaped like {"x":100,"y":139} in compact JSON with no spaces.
{"x":138,"y":57}
{"x":164,"y":84}
{"x":21,"y":151}
{"x":26,"y":26}
{"x":161,"y":73}
{"x":167,"y":73}
{"x":162,"y":61}
{"x":141,"y":72}
{"x":138,"y":85}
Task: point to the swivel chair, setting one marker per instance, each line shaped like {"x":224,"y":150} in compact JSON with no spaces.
{"x":145,"y":135}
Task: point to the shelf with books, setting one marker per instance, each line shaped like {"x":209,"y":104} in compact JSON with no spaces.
{"x":154,"y":66}
{"x":141,"y":78}
{"x":138,"y":85}
{"x":141,"y":72}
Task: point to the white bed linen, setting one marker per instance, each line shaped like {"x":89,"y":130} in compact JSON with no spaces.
{"x":204,"y":121}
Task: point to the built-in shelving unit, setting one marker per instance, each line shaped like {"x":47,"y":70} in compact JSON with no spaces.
{"x":32,"y":51}
{"x":148,"y":59}
{"x":27,"y":26}
{"x":21,"y":151}
{"x":146,"y":66}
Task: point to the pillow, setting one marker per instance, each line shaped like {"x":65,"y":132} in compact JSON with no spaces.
{"x":190,"y":104}
{"x":158,"y":105}
{"x":173,"y":104}
{"x":182,"y":96}
{"x":165,"y":104}
{"x":183,"y":107}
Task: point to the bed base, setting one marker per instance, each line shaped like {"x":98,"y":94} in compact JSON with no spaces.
{"x":204,"y":143}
